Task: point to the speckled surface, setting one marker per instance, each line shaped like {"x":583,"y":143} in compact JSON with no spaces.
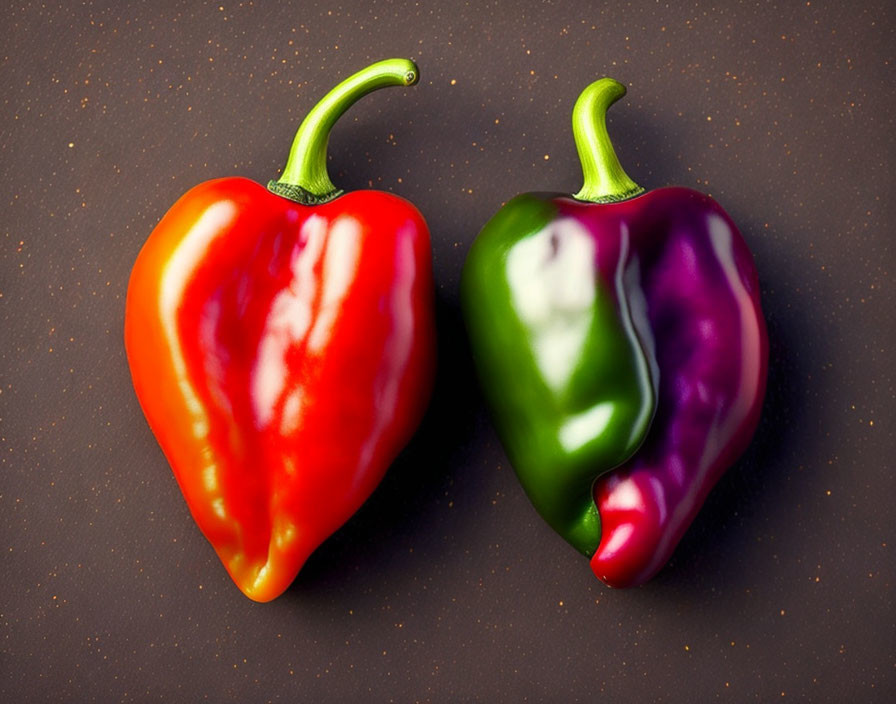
{"x":446,"y":586}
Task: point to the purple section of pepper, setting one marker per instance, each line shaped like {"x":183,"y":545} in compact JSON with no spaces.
{"x":699,"y":284}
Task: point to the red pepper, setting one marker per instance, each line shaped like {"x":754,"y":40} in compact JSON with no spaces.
{"x":282,"y":346}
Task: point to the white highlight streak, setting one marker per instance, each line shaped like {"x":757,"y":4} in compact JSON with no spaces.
{"x":585,"y":426}
{"x":551,"y":279}
{"x":289,"y":320}
{"x":175,"y":276}
{"x":340,"y":266}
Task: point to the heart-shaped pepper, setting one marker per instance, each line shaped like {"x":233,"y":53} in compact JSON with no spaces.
{"x":621,"y":347}
{"x":281,"y":343}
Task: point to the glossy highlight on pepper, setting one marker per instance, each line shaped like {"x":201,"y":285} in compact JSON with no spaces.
{"x":281,"y":344}
{"x":621,"y":347}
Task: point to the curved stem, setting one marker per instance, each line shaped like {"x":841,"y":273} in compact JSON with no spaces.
{"x":605,"y":180}
{"x":305,"y":176}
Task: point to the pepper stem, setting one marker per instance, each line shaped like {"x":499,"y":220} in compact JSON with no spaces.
{"x":605,"y":180}
{"x":305,"y":178}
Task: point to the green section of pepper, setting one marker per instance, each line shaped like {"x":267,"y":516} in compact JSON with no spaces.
{"x":559,"y":359}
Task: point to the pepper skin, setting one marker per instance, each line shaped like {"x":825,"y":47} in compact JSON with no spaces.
{"x":621,"y":346}
{"x":283,"y":351}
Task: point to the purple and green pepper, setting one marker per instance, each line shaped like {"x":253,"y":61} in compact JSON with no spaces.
{"x":621,"y":347}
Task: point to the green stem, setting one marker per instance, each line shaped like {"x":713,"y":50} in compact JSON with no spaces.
{"x":305,"y":178}
{"x":605,"y":180}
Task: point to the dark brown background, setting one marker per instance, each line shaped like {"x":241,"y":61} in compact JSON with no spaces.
{"x":446,"y":586}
